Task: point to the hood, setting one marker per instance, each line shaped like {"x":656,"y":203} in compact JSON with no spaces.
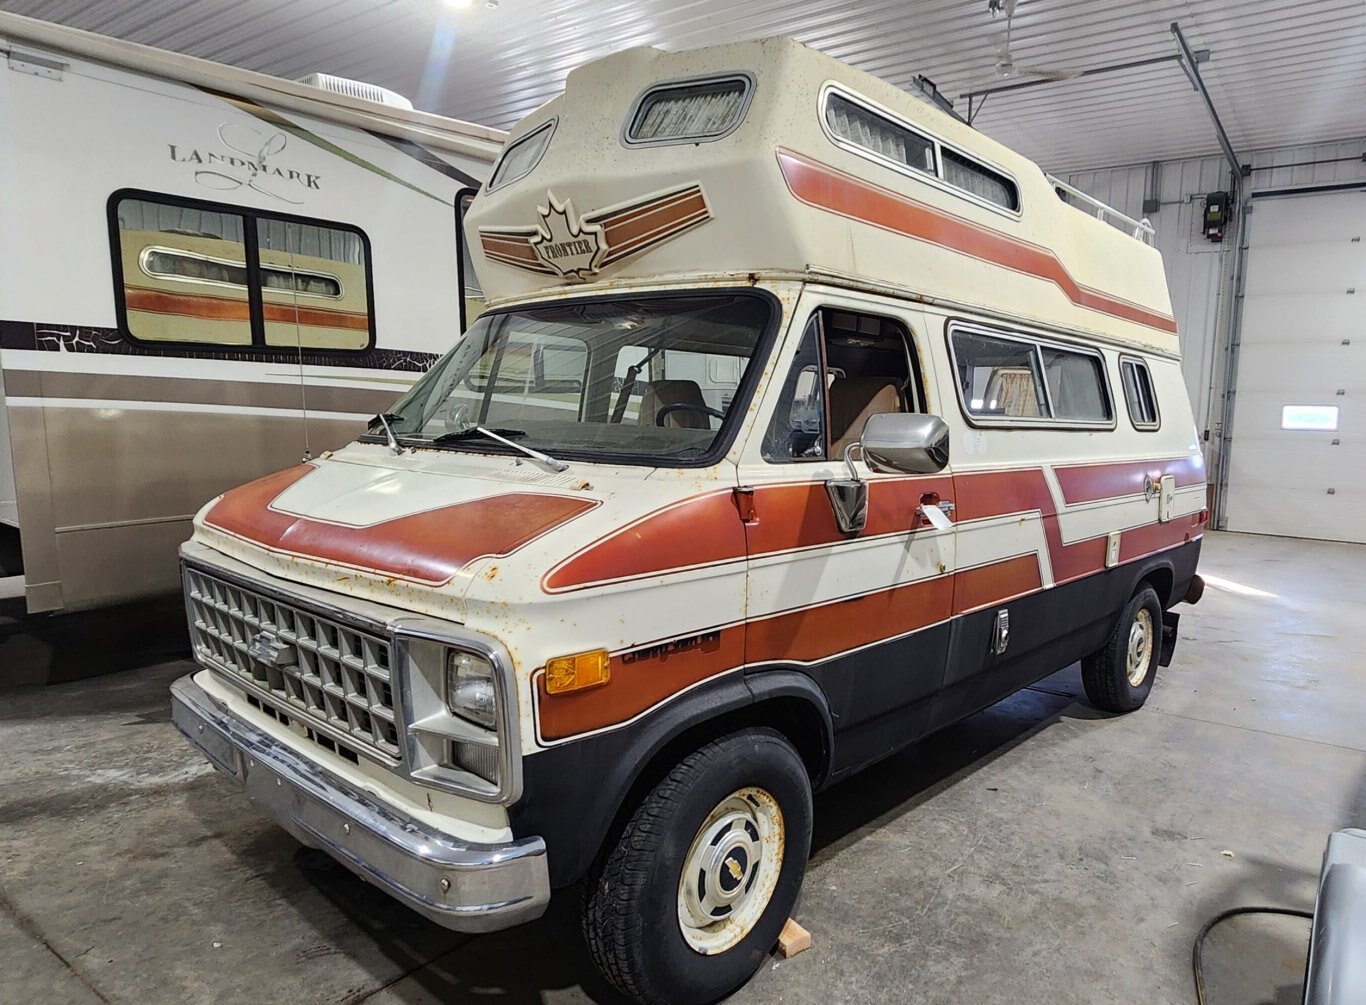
{"x":416,"y":524}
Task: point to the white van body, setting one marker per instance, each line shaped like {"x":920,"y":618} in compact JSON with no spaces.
{"x":870,"y":429}
{"x":138,"y":379}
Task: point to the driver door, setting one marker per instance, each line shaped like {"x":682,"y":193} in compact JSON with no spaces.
{"x":865,"y":613}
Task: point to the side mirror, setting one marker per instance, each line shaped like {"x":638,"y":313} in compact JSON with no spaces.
{"x":913,"y":444}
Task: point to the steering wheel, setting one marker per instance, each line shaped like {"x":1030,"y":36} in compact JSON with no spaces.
{"x":688,"y":406}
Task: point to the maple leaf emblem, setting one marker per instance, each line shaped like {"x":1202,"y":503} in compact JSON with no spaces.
{"x":564,"y":243}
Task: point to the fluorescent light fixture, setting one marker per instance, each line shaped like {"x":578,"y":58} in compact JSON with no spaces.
{"x":460,"y":4}
{"x":1315,"y":418}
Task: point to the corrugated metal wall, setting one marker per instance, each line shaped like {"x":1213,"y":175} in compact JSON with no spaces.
{"x":1200,"y":273}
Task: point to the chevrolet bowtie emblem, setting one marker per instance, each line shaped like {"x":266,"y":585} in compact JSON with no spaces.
{"x":269,"y":650}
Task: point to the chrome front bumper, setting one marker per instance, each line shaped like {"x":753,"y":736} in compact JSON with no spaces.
{"x":457,"y":884}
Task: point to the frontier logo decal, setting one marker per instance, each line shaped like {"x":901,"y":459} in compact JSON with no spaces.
{"x":571,"y":248}
{"x":564,"y":246}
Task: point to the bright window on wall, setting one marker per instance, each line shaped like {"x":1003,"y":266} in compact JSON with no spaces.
{"x":198,"y":273}
{"x":1310,"y":418}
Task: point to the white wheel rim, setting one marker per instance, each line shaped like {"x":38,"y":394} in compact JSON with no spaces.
{"x":730,"y":871}
{"x":1140,"y":655}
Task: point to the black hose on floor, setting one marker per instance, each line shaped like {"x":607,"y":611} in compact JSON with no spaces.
{"x":1197,"y":954}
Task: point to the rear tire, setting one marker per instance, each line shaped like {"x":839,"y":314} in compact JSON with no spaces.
{"x":1119,"y":675}
{"x":686,"y":905}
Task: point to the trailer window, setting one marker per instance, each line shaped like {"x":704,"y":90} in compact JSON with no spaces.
{"x":1138,"y":393}
{"x":184,"y":273}
{"x":194,"y":272}
{"x":313,"y":290}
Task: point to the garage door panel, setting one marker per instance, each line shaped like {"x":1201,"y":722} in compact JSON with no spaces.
{"x":1306,"y":465}
{"x":1301,"y":513}
{"x":1322,"y":218}
{"x":1305,"y":317}
{"x":1306,"y":268}
{"x":1295,"y":370}
{"x":1303,"y":339}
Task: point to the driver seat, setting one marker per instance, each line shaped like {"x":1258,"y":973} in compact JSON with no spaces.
{"x":660,"y":393}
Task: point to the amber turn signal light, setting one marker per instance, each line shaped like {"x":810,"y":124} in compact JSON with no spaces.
{"x":574,"y":673}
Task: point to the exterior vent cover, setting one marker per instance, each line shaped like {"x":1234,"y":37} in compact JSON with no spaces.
{"x":357,"y":89}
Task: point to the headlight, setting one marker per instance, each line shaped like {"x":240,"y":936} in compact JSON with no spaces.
{"x":470,"y":692}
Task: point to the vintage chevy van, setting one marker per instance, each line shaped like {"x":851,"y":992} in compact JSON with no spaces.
{"x":805,"y":421}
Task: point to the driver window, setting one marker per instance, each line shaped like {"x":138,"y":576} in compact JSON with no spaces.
{"x":848,"y":367}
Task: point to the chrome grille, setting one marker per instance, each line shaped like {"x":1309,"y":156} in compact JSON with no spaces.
{"x":314,"y":666}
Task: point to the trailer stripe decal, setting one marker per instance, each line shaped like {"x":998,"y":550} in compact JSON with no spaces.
{"x":830,"y":189}
{"x":427,"y":548}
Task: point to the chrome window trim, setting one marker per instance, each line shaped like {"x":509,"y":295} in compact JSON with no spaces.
{"x":935,"y":179}
{"x":494,"y":182}
{"x":402,"y":628}
{"x":1135,"y":361}
{"x":665,"y":85}
{"x":1037,"y":343}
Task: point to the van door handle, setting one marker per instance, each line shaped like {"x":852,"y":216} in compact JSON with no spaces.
{"x":931,"y":500}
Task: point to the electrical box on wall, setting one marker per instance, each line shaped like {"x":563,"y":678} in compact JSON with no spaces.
{"x":1216,"y":216}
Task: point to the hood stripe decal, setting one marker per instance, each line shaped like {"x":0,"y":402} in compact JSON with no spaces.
{"x":427,"y":548}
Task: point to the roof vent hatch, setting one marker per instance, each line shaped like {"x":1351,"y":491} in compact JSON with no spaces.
{"x":357,"y":89}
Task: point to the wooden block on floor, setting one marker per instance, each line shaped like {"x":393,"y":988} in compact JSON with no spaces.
{"x":793,"y":939}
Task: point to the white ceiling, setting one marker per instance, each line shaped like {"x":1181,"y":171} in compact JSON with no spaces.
{"x":1282,"y":72}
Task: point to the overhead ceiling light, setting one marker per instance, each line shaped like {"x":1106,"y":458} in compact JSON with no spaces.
{"x":460,"y":4}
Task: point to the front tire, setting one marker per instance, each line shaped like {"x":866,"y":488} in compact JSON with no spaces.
{"x":687,"y":904}
{"x":1119,"y":675}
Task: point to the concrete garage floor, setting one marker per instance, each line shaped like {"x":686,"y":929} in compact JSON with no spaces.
{"x":1038,"y":852}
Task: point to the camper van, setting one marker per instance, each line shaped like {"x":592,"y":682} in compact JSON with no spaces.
{"x":804,"y":422}
{"x":207,"y":274}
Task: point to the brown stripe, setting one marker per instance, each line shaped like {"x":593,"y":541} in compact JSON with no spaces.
{"x":254,"y":394}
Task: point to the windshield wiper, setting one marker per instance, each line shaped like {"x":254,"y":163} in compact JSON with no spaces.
{"x":477,"y":431}
{"x":500,"y":436}
{"x":383,"y":419}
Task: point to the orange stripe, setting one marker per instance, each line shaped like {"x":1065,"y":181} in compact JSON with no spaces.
{"x":1093,"y":482}
{"x":637,"y":686}
{"x":427,"y":548}
{"x":835,"y":191}
{"x":988,"y":585}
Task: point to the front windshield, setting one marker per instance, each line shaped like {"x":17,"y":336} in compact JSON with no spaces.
{"x":652,"y":378}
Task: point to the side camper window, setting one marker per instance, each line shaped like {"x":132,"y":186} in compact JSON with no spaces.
{"x":1138,"y":393}
{"x":848,"y":366}
{"x":198,"y":273}
{"x":1003,"y":378}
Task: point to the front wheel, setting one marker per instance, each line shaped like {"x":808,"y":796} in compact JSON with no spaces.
{"x":686,"y":905}
{"x":1119,"y":675}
